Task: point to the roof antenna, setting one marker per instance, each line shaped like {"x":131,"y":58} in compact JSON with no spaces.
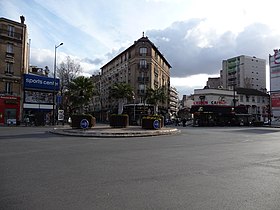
{"x":143,"y":34}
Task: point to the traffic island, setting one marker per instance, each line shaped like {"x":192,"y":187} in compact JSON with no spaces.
{"x":107,"y":131}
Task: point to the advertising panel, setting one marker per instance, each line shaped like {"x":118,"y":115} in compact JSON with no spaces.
{"x":39,"y":82}
{"x":274,"y":64}
{"x":38,"y":97}
{"x":275,"y":100}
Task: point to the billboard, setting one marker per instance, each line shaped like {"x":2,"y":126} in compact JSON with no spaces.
{"x":32,"y":81}
{"x":275,"y":100}
{"x":36,"y":97}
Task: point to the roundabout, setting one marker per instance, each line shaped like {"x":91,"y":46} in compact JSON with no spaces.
{"x":106,"y":131}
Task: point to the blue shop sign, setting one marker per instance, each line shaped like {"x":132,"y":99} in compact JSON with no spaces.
{"x":38,"y":82}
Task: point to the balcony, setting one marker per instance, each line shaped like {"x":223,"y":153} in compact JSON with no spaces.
{"x":10,"y":35}
{"x":10,"y":55}
{"x":143,"y":79}
{"x":141,"y":92}
{"x":8,"y":93}
{"x":143,"y":67}
{"x":9,"y":73}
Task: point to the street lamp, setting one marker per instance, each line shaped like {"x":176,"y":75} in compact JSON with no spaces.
{"x":54,"y":76}
{"x":133,"y":97}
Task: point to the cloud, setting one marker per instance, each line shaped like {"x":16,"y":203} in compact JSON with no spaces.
{"x":190,"y":49}
{"x":96,"y":61}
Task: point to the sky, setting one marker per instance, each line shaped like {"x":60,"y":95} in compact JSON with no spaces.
{"x":193,"y":35}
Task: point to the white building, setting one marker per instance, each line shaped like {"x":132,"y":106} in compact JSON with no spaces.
{"x":220,"y":107}
{"x":173,"y":101}
{"x":245,"y":72}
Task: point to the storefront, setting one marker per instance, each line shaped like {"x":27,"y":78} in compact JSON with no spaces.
{"x":9,"y":110}
{"x":215,"y":115}
{"x":38,"y":99}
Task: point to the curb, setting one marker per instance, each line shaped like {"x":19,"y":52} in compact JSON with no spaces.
{"x":113,"y":133}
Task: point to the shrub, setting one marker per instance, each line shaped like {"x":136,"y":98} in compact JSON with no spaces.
{"x":76,"y":120}
{"x":148,"y":122}
{"x":119,"y":120}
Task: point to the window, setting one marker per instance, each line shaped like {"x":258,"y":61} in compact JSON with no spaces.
{"x":143,"y":63}
{"x":10,"y":48}
{"x":143,"y":50}
{"x":253,"y":98}
{"x":9,"y":68}
{"x":247,"y":98}
{"x":8,"y":87}
{"x":11,"y":31}
{"x":241,"y":98}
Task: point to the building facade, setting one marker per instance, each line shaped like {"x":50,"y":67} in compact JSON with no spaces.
{"x":173,"y":102}
{"x":14,"y":53}
{"x":217,"y":106}
{"x":245,"y":72}
{"x":213,"y":82}
{"x":141,"y":66}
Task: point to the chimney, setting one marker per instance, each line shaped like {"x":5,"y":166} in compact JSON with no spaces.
{"x":22,"y":19}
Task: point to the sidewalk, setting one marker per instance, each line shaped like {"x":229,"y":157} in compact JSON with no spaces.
{"x":104,"y":130}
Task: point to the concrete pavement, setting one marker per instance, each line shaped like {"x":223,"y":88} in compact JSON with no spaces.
{"x":104,"y":130}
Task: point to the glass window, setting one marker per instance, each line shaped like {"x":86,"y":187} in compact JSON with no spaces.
{"x":11,"y":31}
{"x":10,"y":48}
{"x":143,"y":50}
{"x":8,"y":87}
{"x":143,"y":63}
{"x":9,"y":68}
{"x":241,"y":98}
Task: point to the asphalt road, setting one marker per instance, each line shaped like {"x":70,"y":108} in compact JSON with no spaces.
{"x":200,"y":168}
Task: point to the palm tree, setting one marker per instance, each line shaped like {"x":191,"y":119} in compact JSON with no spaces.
{"x":80,"y":92}
{"x":121,"y":92}
{"x":155,"y":96}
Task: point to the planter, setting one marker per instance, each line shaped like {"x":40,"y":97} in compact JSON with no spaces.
{"x":77,"y":118}
{"x":119,"y":120}
{"x":152,"y":122}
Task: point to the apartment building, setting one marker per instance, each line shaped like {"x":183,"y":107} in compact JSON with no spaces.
{"x":13,"y":64}
{"x":245,"y":72}
{"x":173,"y":101}
{"x":142,"y":66}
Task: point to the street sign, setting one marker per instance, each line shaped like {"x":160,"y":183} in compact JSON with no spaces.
{"x":156,"y":124}
{"x":84,"y":123}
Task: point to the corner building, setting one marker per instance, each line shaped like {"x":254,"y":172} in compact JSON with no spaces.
{"x":142,"y":66}
{"x":13,"y":64}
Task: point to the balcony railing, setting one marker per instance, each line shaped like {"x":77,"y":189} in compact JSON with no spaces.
{"x":141,"y":92}
{"x":143,"y":66}
{"x":10,"y":55}
{"x":10,"y":34}
{"x":9,"y":72}
{"x":143,"y":79}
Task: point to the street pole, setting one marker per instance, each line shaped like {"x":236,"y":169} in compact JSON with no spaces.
{"x":54,"y":77}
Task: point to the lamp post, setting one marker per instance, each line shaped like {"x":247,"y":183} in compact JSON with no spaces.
{"x":133,"y":97}
{"x":54,"y":76}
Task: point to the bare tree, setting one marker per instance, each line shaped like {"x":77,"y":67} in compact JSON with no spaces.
{"x":68,"y":70}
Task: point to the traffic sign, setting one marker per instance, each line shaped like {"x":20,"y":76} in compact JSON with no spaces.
{"x":156,"y":124}
{"x":84,"y":123}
